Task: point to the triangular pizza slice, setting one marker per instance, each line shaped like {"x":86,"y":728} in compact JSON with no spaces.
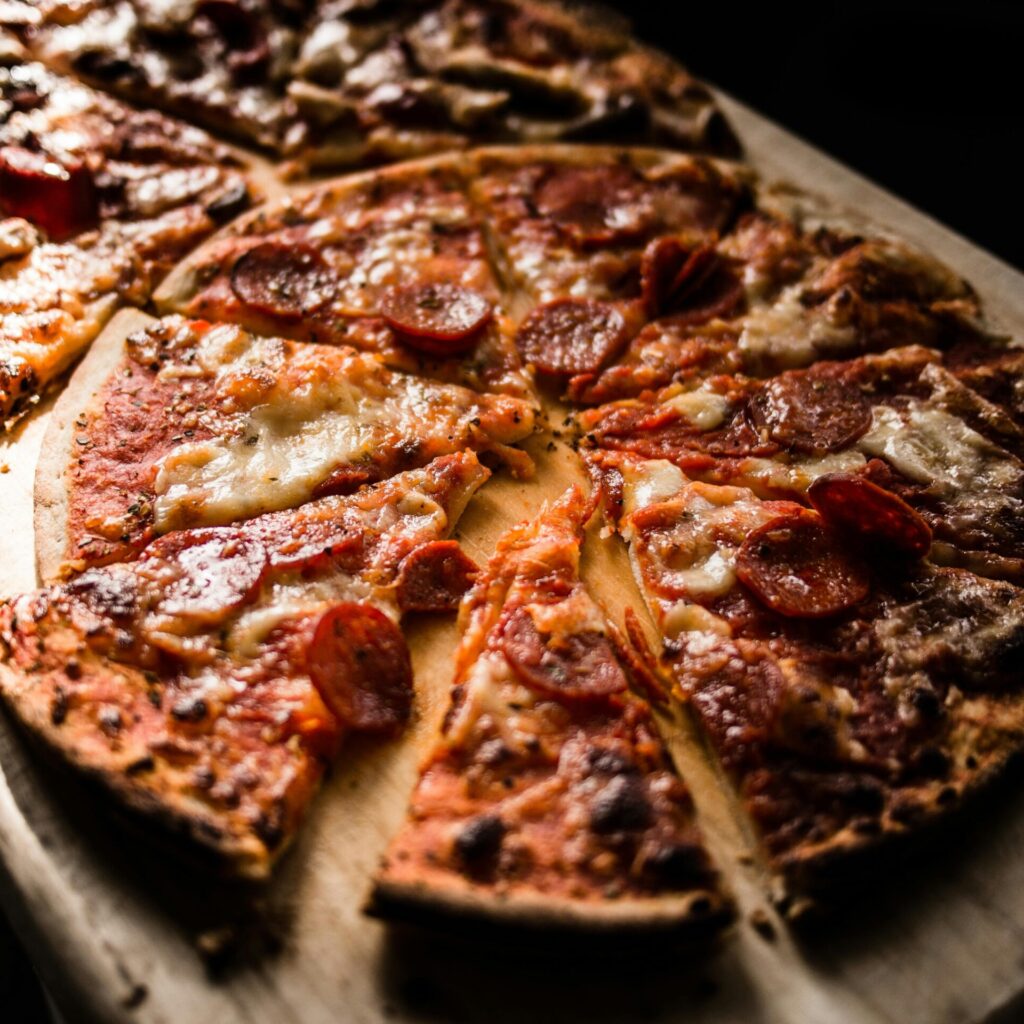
{"x":209,"y":683}
{"x":549,"y":799}
{"x":186,"y":423}
{"x":851,"y":688}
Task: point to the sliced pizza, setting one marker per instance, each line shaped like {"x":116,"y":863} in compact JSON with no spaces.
{"x":383,"y":82}
{"x":851,"y":688}
{"x":343,"y":85}
{"x":549,"y":800}
{"x":183,"y":423}
{"x":897,"y":431}
{"x":209,"y":683}
{"x":220,"y":63}
{"x":393,"y":262}
{"x":98,"y":202}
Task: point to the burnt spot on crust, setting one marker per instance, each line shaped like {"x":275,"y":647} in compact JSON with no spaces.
{"x":229,"y":204}
{"x":478,"y":842}
{"x":677,"y":864}
{"x":620,"y":806}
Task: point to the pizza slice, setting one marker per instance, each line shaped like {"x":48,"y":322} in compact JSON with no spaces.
{"x":852,"y":689}
{"x":776,"y":293}
{"x":97,"y":202}
{"x":221,"y":63}
{"x":210,"y":682}
{"x":392,"y":261}
{"x":549,"y":800}
{"x":897,"y":430}
{"x":383,"y":82}
{"x":182,"y":423}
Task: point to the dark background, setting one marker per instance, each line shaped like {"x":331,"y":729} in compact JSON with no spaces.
{"x":925,"y":98}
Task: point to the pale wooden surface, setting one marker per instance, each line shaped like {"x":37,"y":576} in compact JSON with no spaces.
{"x":112,"y":924}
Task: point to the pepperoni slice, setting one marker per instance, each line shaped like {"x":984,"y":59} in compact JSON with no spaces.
{"x":343,"y":480}
{"x":798,"y":567}
{"x":855,"y":505}
{"x":359,"y":663}
{"x":571,"y":336}
{"x":282,"y":280}
{"x":668,"y":269}
{"x":595,"y":205}
{"x":810,"y":412}
{"x":201,"y":576}
{"x":314,"y":544}
{"x":581,"y":666}
{"x":59,"y":197}
{"x":434,"y":577}
{"x":441,"y":319}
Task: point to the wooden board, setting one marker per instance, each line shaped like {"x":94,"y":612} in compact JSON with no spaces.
{"x":113,"y":925}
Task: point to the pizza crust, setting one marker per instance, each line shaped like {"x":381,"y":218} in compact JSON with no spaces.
{"x":195,"y":835}
{"x":52,"y":528}
{"x":179,"y":286}
{"x":462,"y":908}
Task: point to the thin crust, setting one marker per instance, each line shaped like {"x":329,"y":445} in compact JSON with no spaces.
{"x":462,"y":908}
{"x":51,"y":513}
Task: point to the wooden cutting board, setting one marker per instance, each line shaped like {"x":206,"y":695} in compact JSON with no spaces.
{"x":115,"y":927}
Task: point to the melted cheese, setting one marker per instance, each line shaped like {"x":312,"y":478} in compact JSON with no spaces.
{"x":768,"y":478}
{"x":652,"y":483}
{"x":930,"y":446}
{"x":291,"y":598}
{"x":704,"y":408}
{"x":786,"y":334}
{"x":315,"y":418}
{"x":491,"y":693}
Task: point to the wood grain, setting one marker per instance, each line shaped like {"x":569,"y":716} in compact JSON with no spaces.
{"x":113,"y":925}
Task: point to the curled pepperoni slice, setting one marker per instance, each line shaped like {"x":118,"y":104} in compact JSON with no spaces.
{"x":855,"y":505}
{"x":668,"y":268}
{"x":798,"y":567}
{"x":571,"y":336}
{"x":442,"y":319}
{"x":580,"y":666}
{"x":810,"y":412}
{"x":59,"y":197}
{"x":434,"y":577}
{"x":282,"y":280}
{"x":201,"y":576}
{"x":359,"y":663}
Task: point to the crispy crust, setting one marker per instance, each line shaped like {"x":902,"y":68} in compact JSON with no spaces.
{"x":52,"y":527}
{"x":465,"y":908}
{"x":179,"y":287}
{"x":201,"y":837}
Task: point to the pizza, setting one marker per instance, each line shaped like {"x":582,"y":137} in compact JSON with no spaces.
{"x":852,"y":685}
{"x":549,"y":799}
{"x":183,"y":424}
{"x":209,"y":682}
{"x":394,"y":262}
{"x":97,"y":202}
{"x":896,"y":430}
{"x":337,"y":84}
{"x":807,"y":434}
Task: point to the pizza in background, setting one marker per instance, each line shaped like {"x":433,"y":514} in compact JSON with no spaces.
{"x":340,"y":84}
